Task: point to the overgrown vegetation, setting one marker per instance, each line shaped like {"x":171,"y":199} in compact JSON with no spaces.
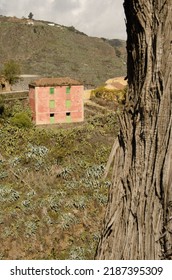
{"x":51,"y":190}
{"x":21,"y":120}
{"x":11,"y":71}
{"x":109,"y":97}
{"x":109,"y":94}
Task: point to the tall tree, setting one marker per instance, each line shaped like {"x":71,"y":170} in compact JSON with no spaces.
{"x":138,"y":220}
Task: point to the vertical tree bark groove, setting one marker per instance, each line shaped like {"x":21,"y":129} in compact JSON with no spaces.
{"x":138,"y":219}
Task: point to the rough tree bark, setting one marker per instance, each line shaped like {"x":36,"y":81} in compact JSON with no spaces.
{"x":138,"y":220}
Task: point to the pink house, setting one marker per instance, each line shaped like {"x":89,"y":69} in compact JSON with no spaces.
{"x":56,"y":100}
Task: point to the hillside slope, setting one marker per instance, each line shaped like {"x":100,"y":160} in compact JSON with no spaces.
{"x":56,"y":50}
{"x":52,"y":194}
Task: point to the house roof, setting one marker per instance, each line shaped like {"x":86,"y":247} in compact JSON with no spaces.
{"x":43,"y":82}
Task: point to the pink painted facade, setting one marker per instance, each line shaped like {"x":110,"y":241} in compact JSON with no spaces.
{"x":58,"y":100}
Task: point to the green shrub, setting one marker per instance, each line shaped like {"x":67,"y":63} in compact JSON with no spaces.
{"x":21,"y":120}
{"x":109,"y":94}
{"x":11,"y":71}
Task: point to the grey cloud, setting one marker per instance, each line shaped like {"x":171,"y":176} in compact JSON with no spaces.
{"x":102,"y":18}
{"x":64,"y":6}
{"x":2,"y":7}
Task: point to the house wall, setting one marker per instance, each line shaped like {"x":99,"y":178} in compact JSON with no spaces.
{"x":66,"y":107}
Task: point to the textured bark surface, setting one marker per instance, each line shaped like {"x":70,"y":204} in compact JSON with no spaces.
{"x":138,"y":220}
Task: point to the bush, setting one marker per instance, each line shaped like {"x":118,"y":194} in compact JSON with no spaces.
{"x":109,"y":94}
{"x":11,"y":71}
{"x":21,"y":120}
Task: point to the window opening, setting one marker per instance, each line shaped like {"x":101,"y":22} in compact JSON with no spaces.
{"x":68,"y":117}
{"x":68,"y":90}
{"x":52,"y":104}
{"x":68,"y":103}
{"x":52,"y":118}
{"x":51,"y":90}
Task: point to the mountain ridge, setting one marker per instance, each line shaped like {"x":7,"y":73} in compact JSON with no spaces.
{"x":48,"y":49}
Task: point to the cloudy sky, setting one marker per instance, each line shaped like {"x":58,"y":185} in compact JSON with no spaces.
{"x":101,"y":18}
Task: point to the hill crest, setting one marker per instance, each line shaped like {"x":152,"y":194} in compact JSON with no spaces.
{"x":48,"y":49}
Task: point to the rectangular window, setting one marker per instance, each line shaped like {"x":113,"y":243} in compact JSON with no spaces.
{"x":68,"y":103}
{"x":52,"y":118}
{"x":52,"y":104}
{"x":51,"y":90}
{"x":68,"y":117}
{"x":68,"y":90}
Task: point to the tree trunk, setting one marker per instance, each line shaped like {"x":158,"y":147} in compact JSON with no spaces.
{"x":138,"y":220}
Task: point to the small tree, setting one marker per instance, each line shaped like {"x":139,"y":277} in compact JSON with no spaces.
{"x":30,"y":16}
{"x":11,"y":71}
